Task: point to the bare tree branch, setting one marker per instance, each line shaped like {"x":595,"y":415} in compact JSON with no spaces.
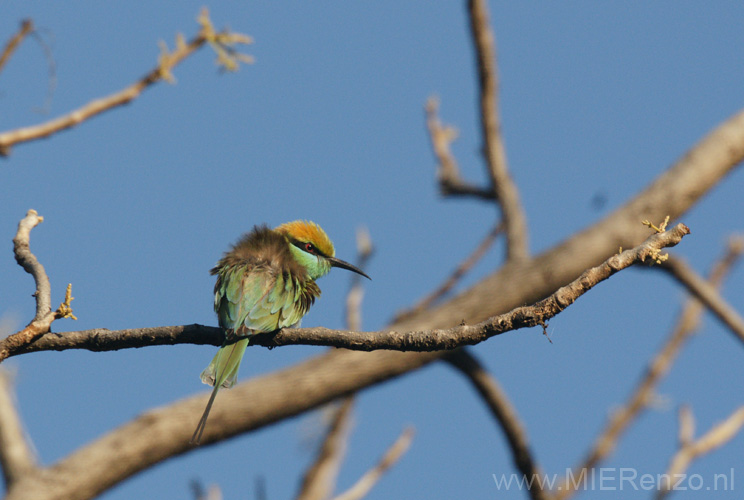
{"x":505,"y":189}
{"x":164,"y":432}
{"x":689,"y":450}
{"x":17,"y":456}
{"x":370,"y":478}
{"x":27,"y":26}
{"x":707,"y":294}
{"x":505,"y":414}
{"x":223,"y":43}
{"x":621,"y":418}
{"x":320,"y":479}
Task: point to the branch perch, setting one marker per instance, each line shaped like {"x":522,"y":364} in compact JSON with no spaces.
{"x":417,"y":340}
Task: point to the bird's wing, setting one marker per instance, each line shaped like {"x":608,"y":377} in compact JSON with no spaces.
{"x":258,"y":299}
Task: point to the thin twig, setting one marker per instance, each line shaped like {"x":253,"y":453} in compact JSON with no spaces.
{"x":689,"y":450}
{"x":223,"y":43}
{"x":51,"y":69}
{"x":370,"y":478}
{"x":461,"y":270}
{"x":659,"y":366}
{"x":505,"y":414}
{"x":320,"y":479}
{"x":17,"y":456}
{"x":27,"y":26}
{"x":493,"y":148}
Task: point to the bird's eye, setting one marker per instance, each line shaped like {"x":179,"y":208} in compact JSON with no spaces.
{"x":309,"y":248}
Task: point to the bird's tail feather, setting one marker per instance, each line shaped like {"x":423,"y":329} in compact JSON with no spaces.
{"x":221,"y":372}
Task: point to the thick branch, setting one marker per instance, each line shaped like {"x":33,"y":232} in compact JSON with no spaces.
{"x":515,"y":222}
{"x":165,"y":432}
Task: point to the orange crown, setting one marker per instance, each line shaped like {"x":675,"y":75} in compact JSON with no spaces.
{"x":308,"y":232}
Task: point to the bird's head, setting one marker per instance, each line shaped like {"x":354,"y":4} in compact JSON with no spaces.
{"x":313,"y":249}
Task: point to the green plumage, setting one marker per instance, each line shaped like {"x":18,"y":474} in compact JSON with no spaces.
{"x":264,"y":283}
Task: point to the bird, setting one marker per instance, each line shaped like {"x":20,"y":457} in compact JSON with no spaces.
{"x":265,"y":282}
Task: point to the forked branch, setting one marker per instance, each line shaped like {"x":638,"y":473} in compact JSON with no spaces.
{"x":691,"y":449}
{"x":42,"y":322}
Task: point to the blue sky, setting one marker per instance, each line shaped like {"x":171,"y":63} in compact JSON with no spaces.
{"x":597,"y":100}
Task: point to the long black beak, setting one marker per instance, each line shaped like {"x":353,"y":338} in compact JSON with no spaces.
{"x":345,"y":265}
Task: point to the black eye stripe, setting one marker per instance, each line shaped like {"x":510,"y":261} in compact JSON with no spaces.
{"x":302,"y":245}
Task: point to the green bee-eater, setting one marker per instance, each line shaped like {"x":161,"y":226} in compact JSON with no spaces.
{"x":265,"y":282}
